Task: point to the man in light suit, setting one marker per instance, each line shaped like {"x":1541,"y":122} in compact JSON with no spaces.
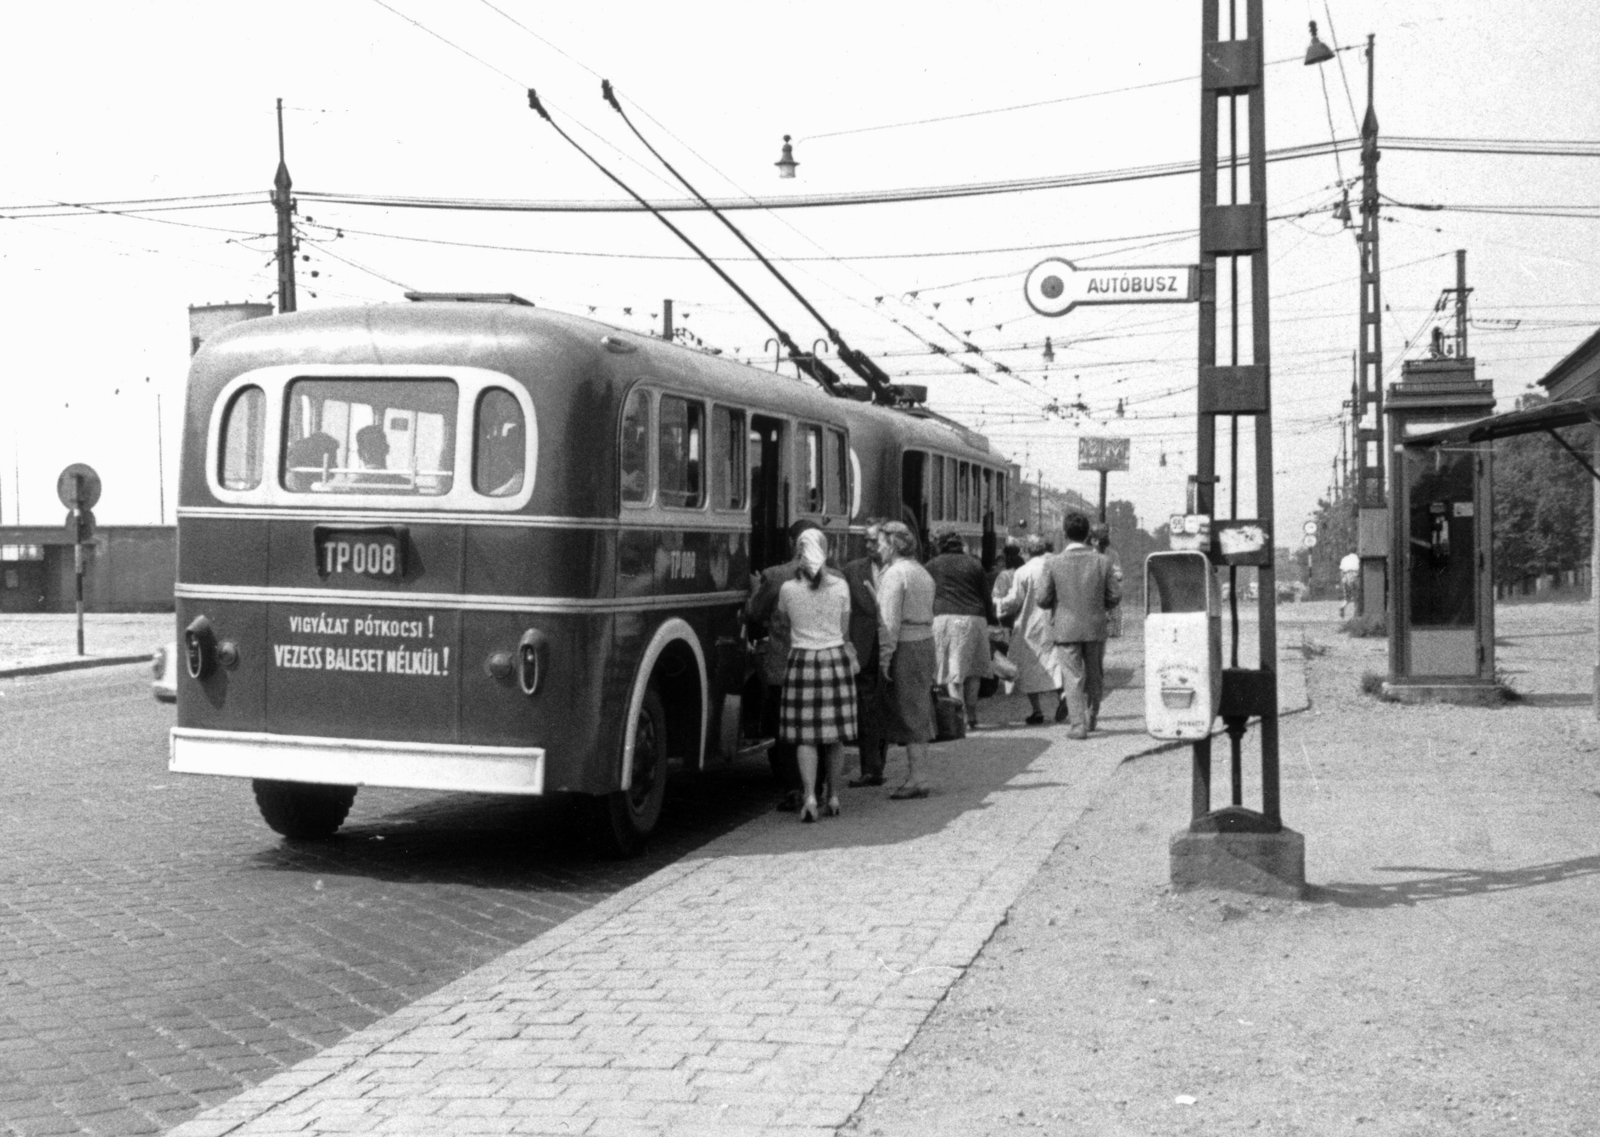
{"x":1081,"y":587}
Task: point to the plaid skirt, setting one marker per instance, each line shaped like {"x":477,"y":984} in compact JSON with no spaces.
{"x":819,"y":698}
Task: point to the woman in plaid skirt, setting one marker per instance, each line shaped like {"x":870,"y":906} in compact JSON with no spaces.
{"x":818,"y":710}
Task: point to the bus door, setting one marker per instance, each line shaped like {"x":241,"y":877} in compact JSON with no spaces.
{"x":769,"y":494}
{"x":914,"y":494}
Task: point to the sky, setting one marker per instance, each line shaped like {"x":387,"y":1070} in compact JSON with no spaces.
{"x":426,"y":98}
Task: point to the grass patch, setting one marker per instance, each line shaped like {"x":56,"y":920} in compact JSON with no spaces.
{"x":1372,"y":684}
{"x":1366,"y":627}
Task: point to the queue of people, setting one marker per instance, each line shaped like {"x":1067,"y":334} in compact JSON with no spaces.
{"x":855,"y":654}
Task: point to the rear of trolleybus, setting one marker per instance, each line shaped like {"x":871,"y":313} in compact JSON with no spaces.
{"x":375,"y":589}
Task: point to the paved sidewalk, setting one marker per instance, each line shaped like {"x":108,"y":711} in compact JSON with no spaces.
{"x":762,"y":985}
{"x":40,"y":643}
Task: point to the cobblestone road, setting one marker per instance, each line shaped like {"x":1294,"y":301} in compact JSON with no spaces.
{"x":161,"y":949}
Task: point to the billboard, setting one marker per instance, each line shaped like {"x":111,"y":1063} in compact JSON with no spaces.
{"x":1108,"y":454}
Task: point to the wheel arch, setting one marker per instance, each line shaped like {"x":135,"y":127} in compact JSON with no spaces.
{"x":664,"y":646}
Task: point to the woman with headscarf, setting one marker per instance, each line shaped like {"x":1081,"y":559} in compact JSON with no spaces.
{"x":818,"y":711}
{"x":905,"y":652}
{"x":963,"y":609}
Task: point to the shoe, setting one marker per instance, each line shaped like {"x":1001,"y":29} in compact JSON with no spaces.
{"x":832,"y":808}
{"x":857,"y":783}
{"x":1061,"y":711}
{"x":972,"y":723}
{"x":907,"y":793}
{"x":1094,"y":715}
{"x":1035,"y":719}
{"x":808,"y":811}
{"x":1078,"y":733}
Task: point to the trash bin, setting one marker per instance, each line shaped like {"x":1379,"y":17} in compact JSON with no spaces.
{"x":1182,"y":645}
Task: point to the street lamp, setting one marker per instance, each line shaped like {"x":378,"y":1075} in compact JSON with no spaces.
{"x":1366,"y":412}
{"x":786,"y":164}
{"x":1318,"y":52}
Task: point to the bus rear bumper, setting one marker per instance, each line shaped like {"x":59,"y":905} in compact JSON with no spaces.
{"x":357,"y":762}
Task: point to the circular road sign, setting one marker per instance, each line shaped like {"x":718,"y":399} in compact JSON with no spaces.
{"x":1309,"y":540}
{"x":79,"y":474}
{"x":1311,"y":528}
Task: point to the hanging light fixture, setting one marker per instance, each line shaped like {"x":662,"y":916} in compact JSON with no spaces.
{"x":786,"y":164}
{"x":1341,"y":212}
{"x":1318,"y":52}
{"x":1049,"y":351}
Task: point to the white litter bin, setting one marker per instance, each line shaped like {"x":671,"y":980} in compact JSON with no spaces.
{"x":1182,"y":645}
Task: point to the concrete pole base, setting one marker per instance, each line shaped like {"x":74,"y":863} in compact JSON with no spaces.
{"x":1262,"y":864}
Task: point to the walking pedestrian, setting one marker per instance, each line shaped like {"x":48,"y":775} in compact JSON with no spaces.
{"x":1080,"y":588}
{"x":906,"y":663}
{"x":1033,"y":648}
{"x":1095,"y":657}
{"x":862,"y":575}
{"x":963,"y":609}
{"x":819,"y":695}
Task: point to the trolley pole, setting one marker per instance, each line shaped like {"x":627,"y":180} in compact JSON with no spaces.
{"x":284,"y":204}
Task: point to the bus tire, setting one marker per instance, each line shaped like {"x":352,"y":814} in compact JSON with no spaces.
{"x":302,"y":811}
{"x":628,"y":817}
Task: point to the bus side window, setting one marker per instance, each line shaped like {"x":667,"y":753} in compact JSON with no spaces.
{"x":964,"y":493}
{"x":498,"y":467}
{"x":239,"y":464}
{"x":937,"y":494}
{"x":838,"y":473}
{"x":636,"y":448}
{"x":813,"y":445}
{"x":682,"y":436}
{"x":727,"y":458}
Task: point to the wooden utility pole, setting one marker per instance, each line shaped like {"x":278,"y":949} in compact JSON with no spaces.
{"x":284,"y":204}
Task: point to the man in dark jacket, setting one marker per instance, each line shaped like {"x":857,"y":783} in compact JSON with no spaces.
{"x":1081,"y":587}
{"x":861,"y":575}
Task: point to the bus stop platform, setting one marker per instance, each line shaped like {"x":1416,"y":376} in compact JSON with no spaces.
{"x":761,"y":985}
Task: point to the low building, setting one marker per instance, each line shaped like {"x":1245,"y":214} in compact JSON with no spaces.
{"x":127,"y":568}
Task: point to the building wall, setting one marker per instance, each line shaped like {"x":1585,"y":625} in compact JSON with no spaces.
{"x":128,"y":568}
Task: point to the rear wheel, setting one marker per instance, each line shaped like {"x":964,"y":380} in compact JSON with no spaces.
{"x":302,"y":811}
{"x":628,"y":817}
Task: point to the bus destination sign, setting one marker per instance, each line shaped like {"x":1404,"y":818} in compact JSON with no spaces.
{"x":1055,"y":287}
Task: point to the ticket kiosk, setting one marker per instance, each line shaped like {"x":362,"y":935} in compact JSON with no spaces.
{"x":1441,"y":631}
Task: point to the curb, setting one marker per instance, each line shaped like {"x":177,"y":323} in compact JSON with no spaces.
{"x":72,"y":665}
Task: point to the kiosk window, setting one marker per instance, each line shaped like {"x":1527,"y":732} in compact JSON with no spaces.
{"x":682,"y":457}
{"x":500,"y":464}
{"x":239,"y":464}
{"x":727,"y":458}
{"x":837,"y":473}
{"x":370,"y":436}
{"x":635,"y":448}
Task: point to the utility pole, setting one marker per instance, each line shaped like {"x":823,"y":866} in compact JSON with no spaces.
{"x":1235,"y":380}
{"x":1460,"y":291}
{"x":284,"y":204}
{"x":1372,"y":499}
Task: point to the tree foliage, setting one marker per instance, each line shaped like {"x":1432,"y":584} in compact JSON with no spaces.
{"x":1542,"y":504}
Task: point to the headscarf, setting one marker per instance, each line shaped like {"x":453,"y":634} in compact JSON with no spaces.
{"x":813,"y":548}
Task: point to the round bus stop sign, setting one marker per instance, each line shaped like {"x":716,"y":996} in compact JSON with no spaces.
{"x":78,"y":487}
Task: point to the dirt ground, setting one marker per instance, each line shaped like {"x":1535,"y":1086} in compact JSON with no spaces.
{"x":1439,"y":977}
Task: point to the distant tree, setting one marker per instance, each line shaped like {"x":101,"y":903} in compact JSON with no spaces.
{"x":1542,"y":505}
{"x":1336,"y":536}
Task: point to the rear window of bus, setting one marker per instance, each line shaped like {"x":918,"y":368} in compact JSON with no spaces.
{"x":370,"y":436}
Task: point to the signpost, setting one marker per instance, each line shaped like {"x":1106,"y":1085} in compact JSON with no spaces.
{"x":1055,"y":287}
{"x":78,"y":487}
{"x":1104,"y":455}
